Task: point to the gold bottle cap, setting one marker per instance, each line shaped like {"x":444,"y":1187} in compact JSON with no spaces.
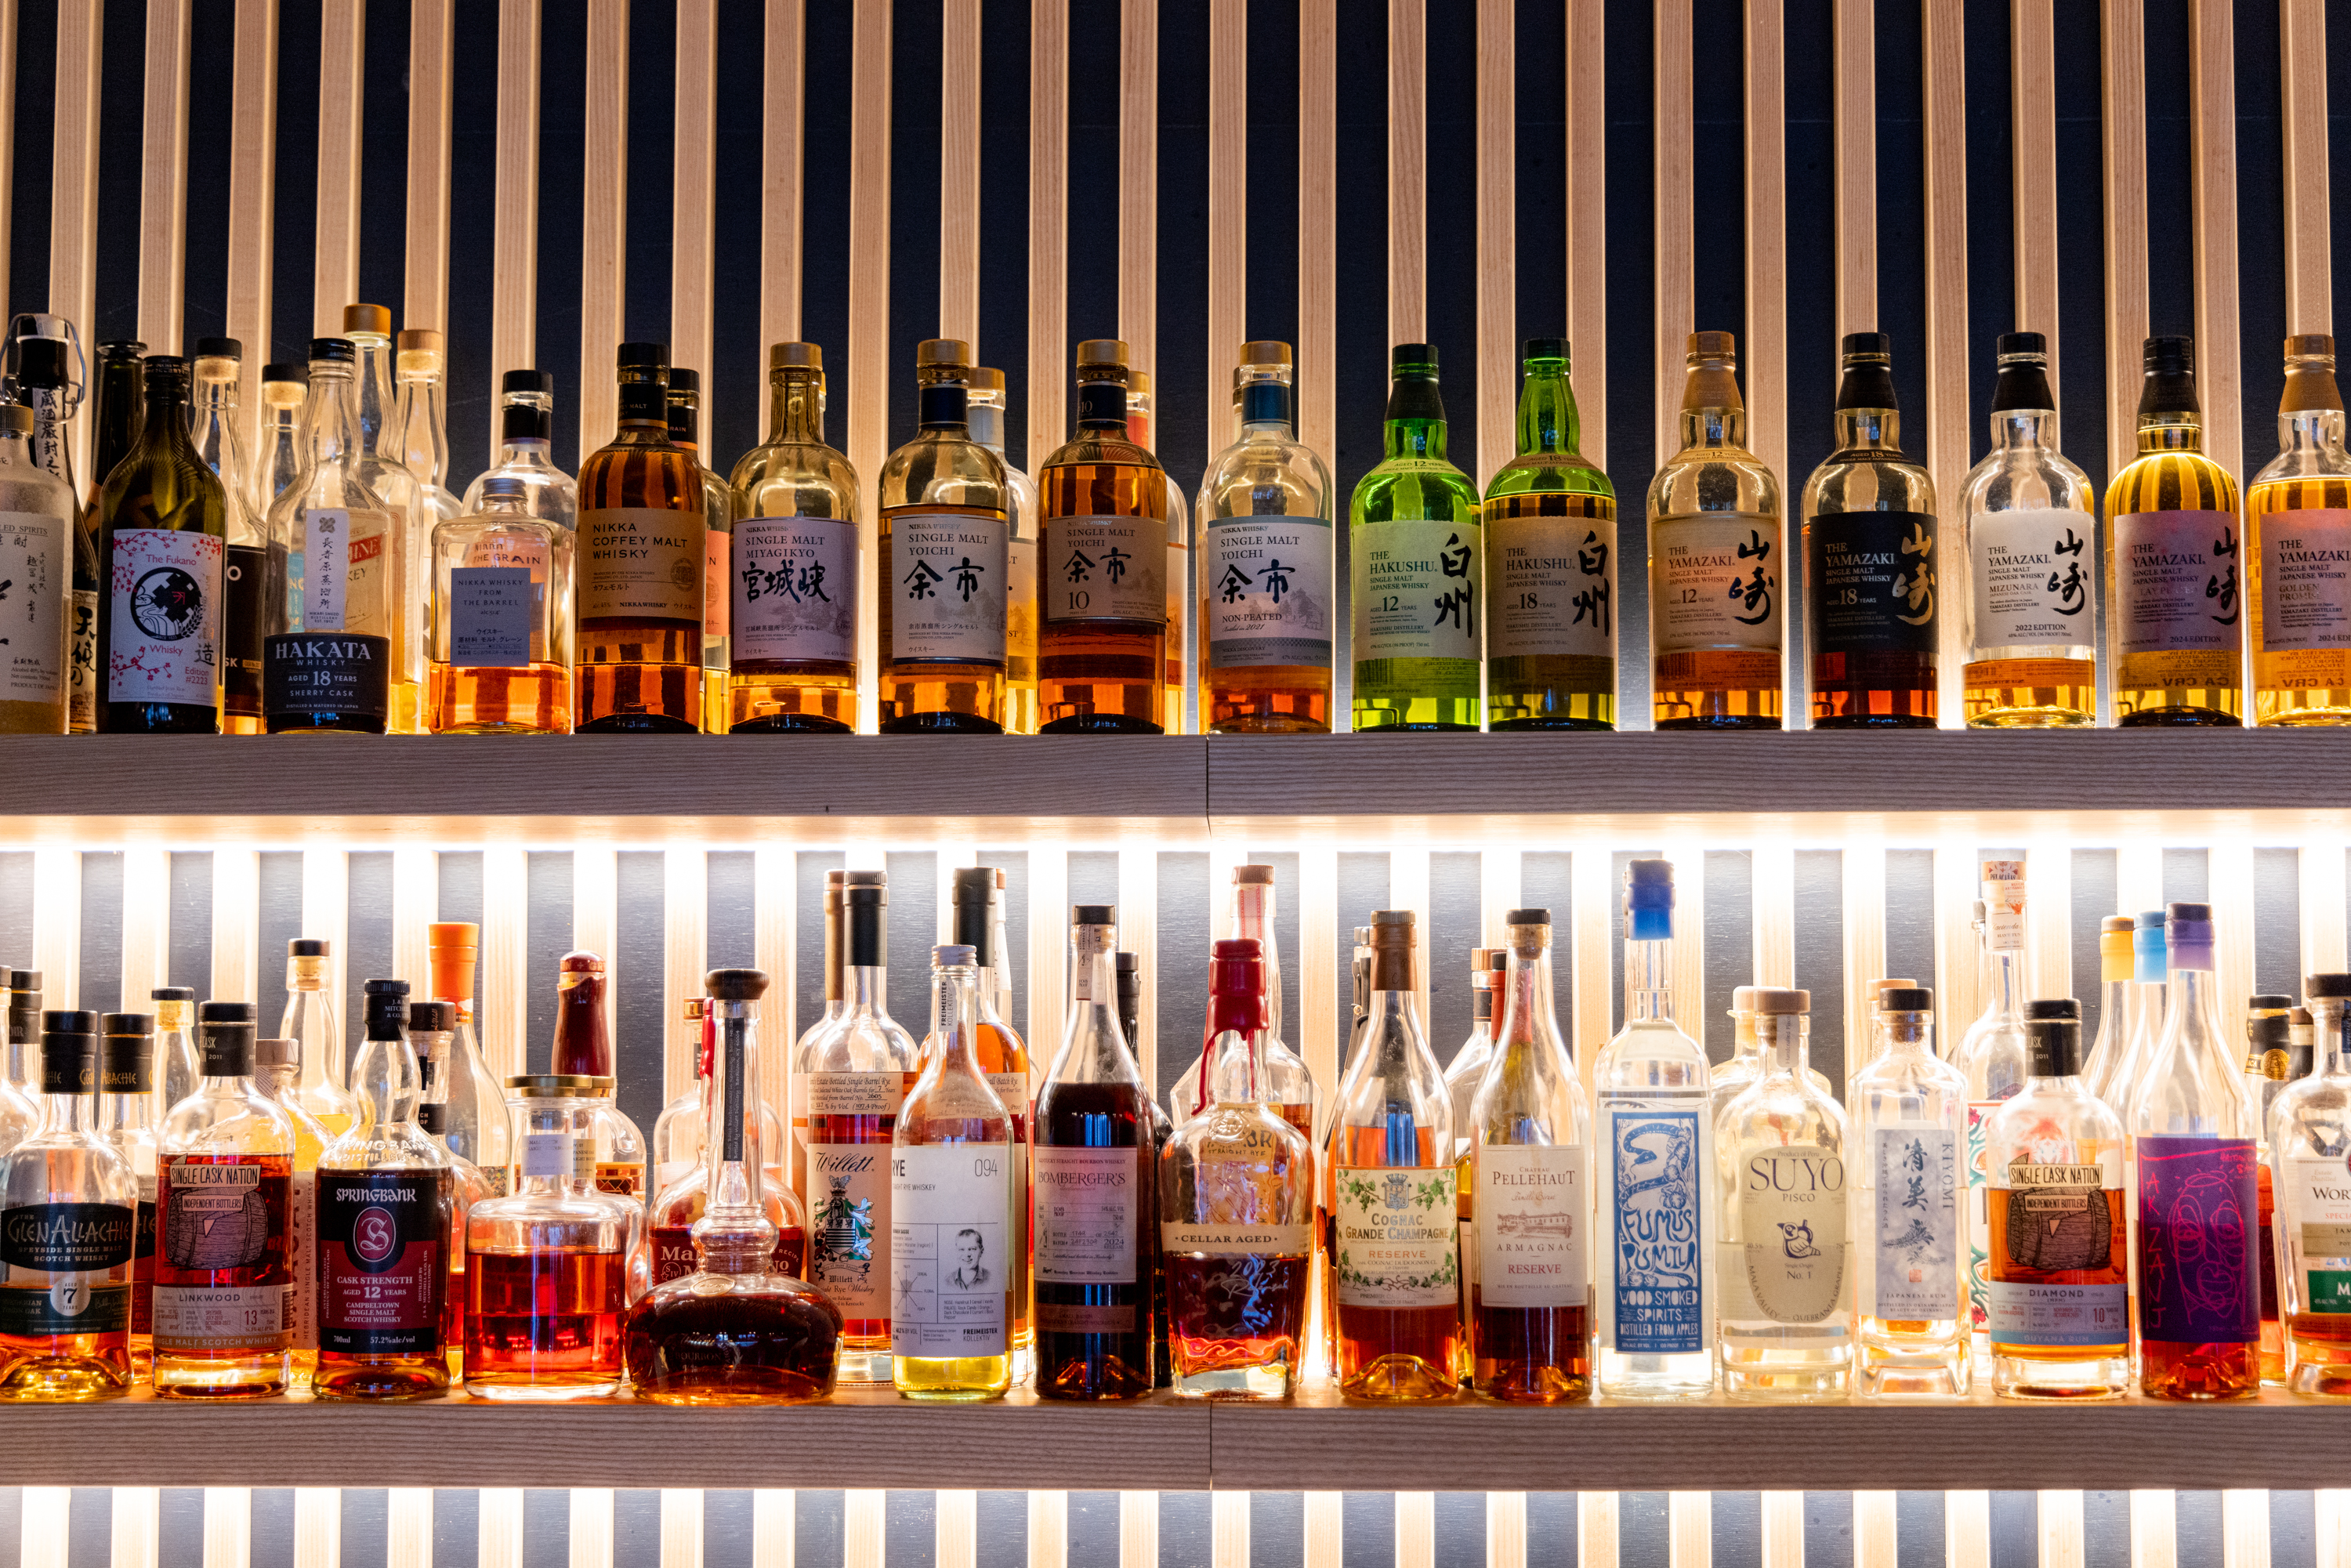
{"x":1138,"y":383}
{"x":1481,"y":968}
{"x":1265,"y":351}
{"x":792,"y":356}
{"x":692,"y":1010}
{"x":943,"y":352}
{"x":1713,"y":346}
{"x":557,"y":1085}
{"x":1102,"y":360}
{"x":371,"y":320}
{"x":2309,"y":344}
{"x":15,"y":419}
{"x":985,"y":378}
{"x":1771,"y":1002}
{"x":2310,"y":375}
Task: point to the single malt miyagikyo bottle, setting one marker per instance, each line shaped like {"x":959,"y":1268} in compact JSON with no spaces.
{"x":126,"y":1117}
{"x":1909,"y":1291}
{"x":583,"y":1049}
{"x":500,"y":660}
{"x":684,"y":399}
{"x":2175,"y":604}
{"x":163,"y":526}
{"x":38,"y":526}
{"x":118,"y":413}
{"x":1550,"y":566}
{"x":986,"y":416}
{"x":44,"y":384}
{"x":1415,"y":536}
{"x":2060,"y":1270}
{"x":1267,"y":597}
{"x":276,"y":461}
{"x":477,"y":1126}
{"x":527,"y":450}
{"x":1142,"y":428}
{"x":1102,"y":648}
{"x":1991,"y":1055}
{"x":1003,"y":1060}
{"x":2297,"y":541}
{"x":1531,"y":1144}
{"x":792,"y":611}
{"x":946,"y":544}
{"x":419,"y":416}
{"x":1281,"y":1077}
{"x":2310,"y":1145}
{"x":1717,"y":571}
{"x":2117,"y":1004}
{"x":254,"y":566}
{"x":2194,"y":1192}
{"x":2029,"y":614}
{"x":643,"y":513}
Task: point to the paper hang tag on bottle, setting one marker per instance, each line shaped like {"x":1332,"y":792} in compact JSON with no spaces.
{"x":2003,"y":896}
{"x":326,"y":567}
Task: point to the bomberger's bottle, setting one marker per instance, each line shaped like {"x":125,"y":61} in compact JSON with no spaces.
{"x":162,"y":526}
{"x":642,"y":515}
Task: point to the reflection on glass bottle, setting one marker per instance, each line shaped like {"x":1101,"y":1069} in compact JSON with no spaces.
{"x":44,"y":384}
{"x":642,"y":510}
{"x":527,"y":451}
{"x":420,"y":413}
{"x":501,"y":659}
{"x":277,"y":1066}
{"x":381,"y":460}
{"x":718,"y":540}
{"x":2297,"y":534}
{"x":309,"y":1022}
{"x":986,"y":416}
{"x":126,"y":1119}
{"x":1908,"y":1231}
{"x":255,"y":561}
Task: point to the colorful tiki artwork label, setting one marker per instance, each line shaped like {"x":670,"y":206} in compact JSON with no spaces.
{"x":1397,"y":1236}
{"x":1656,"y":1231}
{"x":2035,"y":574}
{"x":1918,"y":1222}
{"x":1791,"y":1226}
{"x":2198,"y":1283}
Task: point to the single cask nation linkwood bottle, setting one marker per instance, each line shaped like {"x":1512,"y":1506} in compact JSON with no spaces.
{"x":641,"y":517}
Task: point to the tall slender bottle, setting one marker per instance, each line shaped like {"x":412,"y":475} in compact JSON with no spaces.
{"x":381,"y":459}
{"x":1992,"y":1057}
{"x":2028,"y":604}
{"x":642,"y":519}
{"x":2175,"y":604}
{"x":420,"y":414}
{"x":1717,"y":571}
{"x":2310,"y":1138}
{"x":583,"y":1049}
{"x":309,"y":1022}
{"x":118,"y":413}
{"x":2149,"y":986}
{"x":1466,"y":1070}
{"x":1281,"y":1076}
{"x":2297,"y":537}
{"x":277,"y":1065}
{"x":2268,"y":1058}
{"x":1908,"y":1236}
{"x":2194,"y":1192}
{"x":1003,"y":1060}
{"x":178,"y":1063}
{"x":254,"y":560}
{"x":1102,"y":651}
{"x":38,"y":525}
{"x":126,"y":1117}
{"x":1550,"y":566}
{"x":717,"y":554}
{"x":1417,"y":546}
{"x":278,"y":459}
{"x":527,"y":451}
{"x":1127,"y":976}
{"x":1020,"y":561}
{"x":45,"y":382}
{"x":163,"y":521}
{"x":2115,"y":1004}
{"x":1143,"y":428}
{"x":477,"y":1128}
{"x":792,"y":618}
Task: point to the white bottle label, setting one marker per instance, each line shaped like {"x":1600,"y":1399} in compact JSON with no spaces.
{"x":548,"y":1154}
{"x":2033,"y":575}
{"x":1715,"y":582}
{"x":1105,"y":569}
{"x":2176,"y":582}
{"x":1657,"y":1213}
{"x":1267,"y":584}
{"x":2003,"y":896}
{"x":1792,"y":1230}
{"x":716,"y":557}
{"x":2315,"y":1210}
{"x":1417,"y":593}
{"x":1918,"y":1222}
{"x":950,"y":1249}
{"x":326,"y":568}
{"x":946,"y":583}
{"x":32,"y":607}
{"x":1533,"y":1204}
{"x":167,"y":617}
{"x":2305,"y":579}
{"x":1086,"y":1214}
{"x":795,"y":588}
{"x":492,"y":611}
{"x":1550,"y":587}
{"x":1396,"y":1235}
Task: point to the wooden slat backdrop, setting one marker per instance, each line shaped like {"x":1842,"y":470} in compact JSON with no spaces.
{"x":1765,"y":350}
{"x":1407,"y":171}
{"x":514,"y":300}
{"x":2302,"y":36}
{"x":782,"y":138}
{"x":1671,"y":139}
{"x":1138,"y":185}
{"x":342,"y":80}
{"x":164,"y":178}
{"x":1585,"y":162}
{"x":2123,"y":37}
{"x":695,"y":199}
{"x":1227,"y":312}
{"x":959,"y":124}
{"x":1943,"y":436}
{"x":604,"y":219}
{"x":1498,"y":235}
{"x":2212,"y":67}
{"x":1318,"y":202}
{"x":432,"y":70}
{"x":73,"y":182}
{"x":869,"y":308}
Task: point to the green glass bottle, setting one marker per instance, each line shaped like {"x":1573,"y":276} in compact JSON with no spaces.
{"x":1550,"y":566}
{"x":1417,"y":541}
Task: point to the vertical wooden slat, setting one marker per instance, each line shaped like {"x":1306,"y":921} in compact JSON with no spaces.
{"x":774,"y":919}
{"x":869,"y":304}
{"x":1049,"y":229}
{"x":959,"y":53}
{"x":2331,"y":1513}
{"x":73,"y":185}
{"x":327,"y":912}
{"x":1875,"y":1543}
{"x":502,"y":1022}
{"x":252,"y":201}
{"x":1416,"y":1529}
{"x":1767,"y":241}
{"x":954,"y":1537}
{"x":1944,"y":70}
{"x":1586,"y":163}
{"x":774,"y":1511}
{"x":1594,"y":899}
{"x":228,"y":1527}
{"x":2122,"y":35}
{"x":1227,"y":209}
{"x":596,"y":917}
{"x":408,"y":1528}
{"x":2058,"y":1516}
{"x":863,"y":1528}
{"x":1407,"y":171}
{"x":1138,"y":1529}
{"x":1967,"y":1530}
{"x":318,"y":1527}
{"x":1782,"y":1521}
{"x":591,"y":1527}
{"x":2049,"y":919}
{"x":1497,"y":241}
{"x":1854,"y":43}
{"x":603,"y":220}
{"x":1138,"y":181}
{"x":498,"y":1513}
{"x":2230,"y":883}
{"x":782,"y":86}
{"x":1049,"y":1529}
{"x":432,"y":67}
{"x":342,"y":80}
{"x":2302,"y":41}
{"x":45,"y":1523}
{"x":1595,"y":1530}
{"x":1228,"y":1530}
{"x":164,"y":178}
{"x":1959,"y":950}
{"x":136,"y":1538}
{"x":2154,"y":1528}
{"x":1506,"y":1530}
{"x":146,"y":926}
{"x":2033,"y":68}
{"x":1325,"y":1517}
{"x":2212,"y":76}
{"x":1321,"y":939}
{"x":56,"y":925}
{"x":680,"y":1528}
{"x":236,"y":928}
{"x":1772,"y":898}
{"x":1689,"y":935}
{"x":695,"y":200}
{"x":685,"y":958}
{"x":1138,"y":932}
{"x":8,"y":123}
{"x":1049,"y":950}
{"x":1862,"y":864}
{"x":1689,"y":1530}
{"x":514,"y":284}
{"x":1318,"y":207}
{"x":1673,"y":152}
{"x":415,"y":905}
{"x":2323,"y":894}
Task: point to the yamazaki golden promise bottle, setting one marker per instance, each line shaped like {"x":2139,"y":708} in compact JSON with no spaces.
{"x":2298,"y":551}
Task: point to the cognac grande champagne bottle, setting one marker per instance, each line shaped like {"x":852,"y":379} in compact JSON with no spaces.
{"x":2297,"y":537}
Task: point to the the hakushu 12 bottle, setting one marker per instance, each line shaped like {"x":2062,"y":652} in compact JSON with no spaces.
{"x":38,"y":524}
{"x":2298,"y":550}
{"x":162,"y":529}
{"x":2309,"y":1136}
{"x":1909,"y":1190}
{"x":642,"y":513}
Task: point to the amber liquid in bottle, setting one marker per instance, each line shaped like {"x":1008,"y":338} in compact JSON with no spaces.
{"x":640,"y":673}
{"x":1371,"y":1339}
{"x":219,"y":1370}
{"x":2306,"y":680}
{"x":2006,"y":1271}
{"x":1102,"y":645}
{"x":545,"y":1317}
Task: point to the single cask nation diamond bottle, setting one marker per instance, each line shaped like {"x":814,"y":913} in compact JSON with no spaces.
{"x":2297,"y":548}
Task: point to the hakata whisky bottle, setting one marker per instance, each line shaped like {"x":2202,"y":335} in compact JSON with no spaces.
{"x":643,"y":513}
{"x":1911,"y":1223}
{"x":2309,"y":1138}
{"x":2297,"y":550}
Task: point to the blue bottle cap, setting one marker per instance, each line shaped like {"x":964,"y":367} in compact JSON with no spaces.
{"x":1649,"y":901}
{"x":2149,"y":952}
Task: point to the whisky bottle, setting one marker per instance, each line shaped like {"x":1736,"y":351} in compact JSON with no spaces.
{"x":126,"y":1119}
{"x":1869,"y":560}
{"x":2310,"y":1131}
{"x":310,"y":1022}
{"x":2297,"y":537}
{"x":1142,"y":428}
{"x":24,"y":1054}
{"x":1416,"y":540}
{"x":2116,"y":1005}
{"x":178,"y":1066}
{"x":1717,"y":574}
{"x":2194,"y":1192}
{"x":1003,"y":1059}
{"x":675,"y":1149}
{"x":162,"y":523}
{"x":67,"y":1212}
{"x":1103,"y":647}
{"x":836,"y":985}
{"x":986,"y":414}
{"x":2175,"y":614}
{"x":380,"y":449}
{"x":1282,"y":1078}
{"x":2060,"y":1271}
{"x":420,"y":413}
{"x":501,"y":659}
{"x":1127,"y":971}
{"x":38,"y":522}
{"x":255,"y":561}
{"x":2149,"y":991}
{"x":432,"y":1029}
{"x":583,"y":1049}
{"x":642,"y":519}
{"x":278,"y":1068}
{"x":1550,"y":566}
{"x":1530,"y":1142}
{"x":1268,"y":598}
{"x":224,"y":1279}
{"x":1236,"y":1210}
{"x":717,"y":553}
{"x":527,"y":451}
{"x":1910,"y":1234}
{"x":277,"y":461}
{"x":666,"y":1249}
{"x":2029,"y":609}
{"x":118,"y":414}
{"x":1991,"y":1055}
{"x":478,"y":1128}
{"x":44,"y":385}
{"x":945,"y":546}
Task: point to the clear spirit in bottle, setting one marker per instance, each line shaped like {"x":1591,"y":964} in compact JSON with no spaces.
{"x":986,"y":416}
{"x":2297,"y":531}
{"x":161,"y":530}
{"x":479,"y":1127}
{"x":642,"y":556}
{"x":2117,"y":1005}
{"x":2151,"y":972}
{"x":285,"y":388}
{"x":1909,"y":1240}
{"x":527,"y":451}
{"x":420,"y":414}
{"x":278,"y":1068}
{"x":1142,"y":429}
{"x":2310,"y":1136}
{"x":38,"y":522}
{"x":310,"y":1022}
{"x":178,"y":1066}
{"x":255,"y":564}
{"x":126,"y":1118}
{"x":501,"y":655}
{"x":1992,"y":1057}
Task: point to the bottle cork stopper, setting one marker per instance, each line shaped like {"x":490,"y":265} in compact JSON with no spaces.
{"x":371,"y":320}
{"x":987,"y":378}
{"x":1265,"y":351}
{"x":1713,"y":345}
{"x":786,"y":356}
{"x":1774,"y":1002}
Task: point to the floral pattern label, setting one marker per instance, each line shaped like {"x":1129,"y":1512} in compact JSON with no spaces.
{"x":1105,"y":569}
{"x":2197,"y":1277}
{"x":946,"y":585}
{"x":1395,"y":1234}
{"x":1872,"y":582}
{"x":794,"y":585}
{"x":1533,"y":1201}
{"x":950,"y":1251}
{"x":165,"y":640}
{"x":2176,"y":582}
{"x":2305,"y":579}
{"x":1552,"y":585}
{"x":1267,"y":584}
{"x":1715,"y":582}
{"x":1918,"y":1222}
{"x":1416,"y":590}
{"x":31,"y":606}
{"x":2034,"y":578}
{"x":1657,"y":1233}
{"x":1792,"y":1228}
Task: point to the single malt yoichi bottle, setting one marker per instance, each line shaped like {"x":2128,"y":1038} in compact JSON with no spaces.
{"x":2310,"y":1137}
{"x":2174,"y":592}
{"x":1717,"y":565}
{"x":1870,"y":560}
{"x":2298,"y":550}
{"x":986,"y":412}
{"x":1654,"y":1288}
{"x":1416,"y":539}
{"x":1909,"y":1235}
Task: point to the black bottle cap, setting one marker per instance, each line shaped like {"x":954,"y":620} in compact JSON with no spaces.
{"x":682,"y":380}
{"x":41,"y":363}
{"x":173,"y":994}
{"x":386,"y":1002}
{"x":1868,"y":378}
{"x":2268,"y":1001}
{"x":2054,"y":1007}
{"x":2020,"y":343}
{"x":2052,"y":1046}
{"x":542,"y":381}
{"x":2190,"y":913}
{"x":227,"y":1013}
{"x":1528,"y":917}
{"x":2174,"y":355}
{"x":219,"y":349}
{"x":1126,"y":963}
{"x":1544,"y":348}
{"x":24,"y":979}
{"x":975,"y":904}
{"x":865,"y":932}
{"x":432,"y":1018}
{"x":286,"y":373}
{"x":335,"y":350}
{"x":1867,"y":345}
{"x":644,"y":357}
{"x":1906,"y":1000}
{"x":1093,"y":914}
{"x":140,"y":1025}
{"x":307,"y":947}
{"x":736,"y":985}
{"x":975,"y":884}
{"x":2332,"y":987}
{"x":122,"y":349}
{"x":227,"y":1046}
{"x":126,"y":1061}
{"x":68,"y":1052}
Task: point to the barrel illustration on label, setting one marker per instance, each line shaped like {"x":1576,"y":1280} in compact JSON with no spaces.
{"x":1658,"y":1309}
{"x":2052,"y":1221}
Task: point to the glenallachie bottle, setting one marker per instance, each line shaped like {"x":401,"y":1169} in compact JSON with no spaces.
{"x":162,"y":526}
{"x":1103,"y":650}
{"x":500,"y":661}
{"x":2175,"y":595}
{"x":1417,"y":543}
{"x":2298,"y":550}
{"x":527,"y":451}
{"x":2310,"y":1132}
{"x":256,"y":564}
{"x":986,"y":414}
{"x":1550,"y":566}
{"x":793,"y":585}
{"x":2028,"y":604}
{"x":38,"y":525}
{"x":44,"y":385}
{"x":1142,"y":428}
{"x":1718,"y":573}
{"x":684,"y":398}
{"x":944,"y":542}
{"x":1268,"y":599}
{"x":1869,"y":560}
{"x":1909,"y":1235}
{"x":641,"y":518}
{"x":1991,"y":1055}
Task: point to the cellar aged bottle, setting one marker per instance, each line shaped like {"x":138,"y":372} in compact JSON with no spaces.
{"x":945,"y":543}
{"x":285,"y":388}
{"x":986,"y":416}
{"x":1550,"y":566}
{"x":253,"y":563}
{"x":642,"y":520}
{"x":1267,"y":596}
{"x":1992,"y":1057}
{"x":162,"y":523}
{"x":2297,"y":547}
{"x":2060,"y":1270}
{"x":501,"y":645}
{"x":38,"y":523}
{"x":1237,"y":1209}
{"x":178,"y":1066}
{"x":1531,"y":1286}
{"x":1717,"y":571}
{"x":1281,"y":1076}
{"x":277,"y":1065}
{"x":1656,"y":1298}
{"x":2193,"y":1193}
{"x":478,"y":1125}
{"x":1141,"y":429}
{"x":225,"y":1284}
{"x":1003,"y":1060}
{"x":684,"y":398}
{"x":420,"y":415}
{"x":1416,"y":544}
{"x":126,"y":1118}
{"x":45,"y":384}
{"x":2175,"y":615}
{"x":2116,"y":1004}
{"x":1907,"y":1246}
{"x":1394,"y":1268}
{"x":1126,"y":972}
{"x":2310,"y":1136}
{"x":1095,"y":1227}
{"x":733,"y":1332}
{"x":67,"y":1212}
{"x":527,"y":451}
{"x":1102,"y":651}
{"x":381,"y":460}
{"x":309,"y":1022}
{"x":583,"y":1049}
{"x":1785,"y":1266}
{"x":2029,"y":607}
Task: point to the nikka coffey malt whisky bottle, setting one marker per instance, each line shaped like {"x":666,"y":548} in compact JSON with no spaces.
{"x":2298,"y":551}
{"x":642,"y":519}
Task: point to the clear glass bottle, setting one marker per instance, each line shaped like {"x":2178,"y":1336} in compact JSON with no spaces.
{"x":1127,"y":975}
{"x":583,"y":1049}
{"x":1653,"y":1282}
{"x":501,"y":655}
{"x":44,"y":383}
{"x":527,"y":451}
{"x":665,"y":1249}
{"x":383,"y":473}
{"x":432,"y":1032}
{"x":2060,"y":1271}
{"x":1909,"y":1237}
{"x":2116,"y":1004}
{"x":1992,"y":1057}
{"x":1281,"y":1074}
{"x":2310,"y":1144}
{"x":2029,"y":614}
{"x":18,"y":1112}
{"x":1143,"y":429}
{"x":277,"y":1065}
{"x":39,"y":524}
{"x":1466,"y":1070}
{"x":986,"y":416}
{"x":309,"y":1022}
{"x":2297,"y":531}
{"x":179,"y":1067}
{"x":1269,"y":598}
{"x":675,"y":1149}
{"x":1003,"y":1059}
{"x":224,"y":1281}
{"x":793,"y":611}
{"x":126,"y":1118}
{"x":718,"y":545}
{"x":2194,"y":1192}
{"x":118,"y":402}
{"x":637,"y":638}
{"x":162,"y":525}
{"x":277,"y":460}
{"x":420,"y":413}
{"x":2151,"y":972}
{"x":477,"y":1127}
